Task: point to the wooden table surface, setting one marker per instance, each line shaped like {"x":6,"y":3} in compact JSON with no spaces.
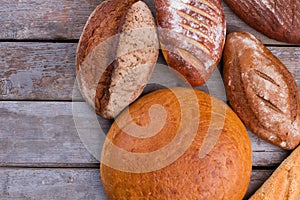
{"x":41,"y":153}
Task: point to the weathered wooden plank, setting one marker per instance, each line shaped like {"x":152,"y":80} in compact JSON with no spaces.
{"x":71,"y":184}
{"x":40,"y":134}
{"x":46,"y":71}
{"x":258,"y":177}
{"x":48,"y":19}
{"x":54,"y":19}
{"x":37,"y":71}
{"x":44,"y":134}
{"x":49,"y":184}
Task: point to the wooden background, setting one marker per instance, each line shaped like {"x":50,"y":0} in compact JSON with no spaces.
{"x":41,"y":154}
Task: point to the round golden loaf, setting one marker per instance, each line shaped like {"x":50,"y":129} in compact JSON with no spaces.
{"x":176,"y":143}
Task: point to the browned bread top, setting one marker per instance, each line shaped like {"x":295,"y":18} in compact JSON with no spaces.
{"x":192,"y":35}
{"x":176,"y":143}
{"x":278,"y":19}
{"x":284,"y":183}
{"x":137,"y":54}
{"x":101,"y":25}
{"x":261,"y":90}
{"x":96,"y":48}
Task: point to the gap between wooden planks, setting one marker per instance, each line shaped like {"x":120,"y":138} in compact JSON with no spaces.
{"x":73,"y":184}
{"x":44,"y":134}
{"x":46,"y":71}
{"x":64,"y":19}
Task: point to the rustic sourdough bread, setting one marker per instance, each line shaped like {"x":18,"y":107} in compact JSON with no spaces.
{"x":192,"y":35}
{"x":278,"y":19}
{"x":210,"y":145}
{"x":261,"y":90}
{"x":116,"y":55}
{"x":284,"y":183}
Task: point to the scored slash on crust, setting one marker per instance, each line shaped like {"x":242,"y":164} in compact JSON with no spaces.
{"x":191,"y":19}
{"x":200,"y":12}
{"x":192,"y":60}
{"x":270,"y":104}
{"x":264,"y":93}
{"x":197,"y":27}
{"x":265,"y":77}
{"x":197,"y":10}
{"x":196,"y":44}
{"x":197,"y":31}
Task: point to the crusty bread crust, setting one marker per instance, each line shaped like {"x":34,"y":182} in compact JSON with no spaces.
{"x":221,"y":173}
{"x":101,"y":25}
{"x":96,"y":49}
{"x":107,"y":78}
{"x":277,"y":19}
{"x":261,"y":90}
{"x":284,"y":183}
{"x":192,"y":36}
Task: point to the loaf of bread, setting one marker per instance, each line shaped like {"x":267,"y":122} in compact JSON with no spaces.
{"x":261,"y":90}
{"x":192,"y":36}
{"x":176,"y":143}
{"x":116,"y":55}
{"x":278,"y":19}
{"x":284,"y":183}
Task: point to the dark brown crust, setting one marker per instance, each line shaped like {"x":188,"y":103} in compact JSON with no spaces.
{"x":103,"y":23}
{"x":242,"y":58}
{"x":102,"y":91}
{"x":280,"y":20}
{"x":199,"y":29}
{"x":96,"y":57}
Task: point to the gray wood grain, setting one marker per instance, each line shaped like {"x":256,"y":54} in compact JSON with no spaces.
{"x":49,"y":184}
{"x":46,"y":71}
{"x":37,"y":71}
{"x":54,"y":19}
{"x":71,"y":184}
{"x":258,"y":177}
{"x":47,"y":19}
{"x":40,"y":134}
{"x":44,"y":134}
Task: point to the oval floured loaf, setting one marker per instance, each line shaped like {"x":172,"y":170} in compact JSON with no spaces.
{"x":192,"y":36}
{"x":261,"y":90}
{"x":116,"y":55}
{"x":176,"y":143}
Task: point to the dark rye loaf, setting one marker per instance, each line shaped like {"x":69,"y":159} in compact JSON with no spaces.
{"x":116,"y":55}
